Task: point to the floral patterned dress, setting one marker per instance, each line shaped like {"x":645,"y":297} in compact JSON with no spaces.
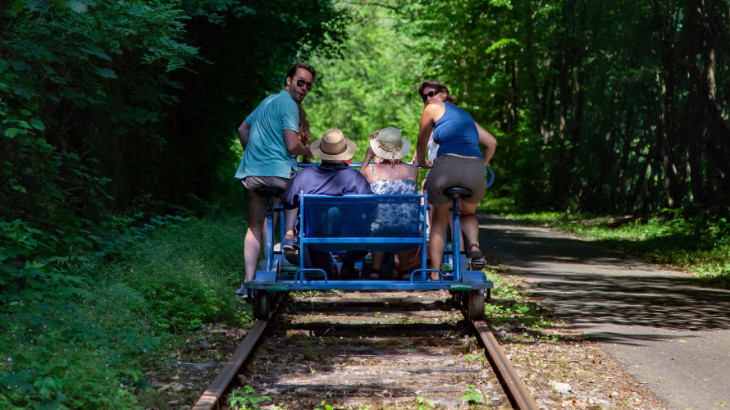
{"x":395,"y":217}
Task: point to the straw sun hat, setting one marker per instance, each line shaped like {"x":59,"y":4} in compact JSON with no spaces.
{"x":390,"y":145}
{"x":333,"y":146}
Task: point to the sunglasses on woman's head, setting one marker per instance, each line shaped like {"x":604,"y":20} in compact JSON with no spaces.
{"x":300,"y":83}
{"x":429,"y":94}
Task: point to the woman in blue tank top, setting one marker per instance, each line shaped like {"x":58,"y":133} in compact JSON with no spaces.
{"x":459,"y":162}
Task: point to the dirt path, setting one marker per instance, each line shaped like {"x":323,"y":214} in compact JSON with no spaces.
{"x":662,"y":326}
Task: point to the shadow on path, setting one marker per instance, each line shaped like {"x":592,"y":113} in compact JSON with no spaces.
{"x":590,"y":286}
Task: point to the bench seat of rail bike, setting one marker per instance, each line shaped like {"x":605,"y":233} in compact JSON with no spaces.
{"x":385,"y":223}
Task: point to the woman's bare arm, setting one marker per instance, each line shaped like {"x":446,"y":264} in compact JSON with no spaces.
{"x":365,"y":169}
{"x":430,"y":115}
{"x":489,"y":142}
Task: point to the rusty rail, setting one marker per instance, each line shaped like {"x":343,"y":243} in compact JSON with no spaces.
{"x":511,"y":382}
{"x":212,"y":395}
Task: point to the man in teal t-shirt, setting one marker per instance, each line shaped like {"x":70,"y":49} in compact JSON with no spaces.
{"x":269,"y":137}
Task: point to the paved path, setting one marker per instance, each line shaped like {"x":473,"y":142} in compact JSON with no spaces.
{"x":667,"y":330}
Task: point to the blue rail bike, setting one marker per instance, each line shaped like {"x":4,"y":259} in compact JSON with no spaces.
{"x":353,"y":223}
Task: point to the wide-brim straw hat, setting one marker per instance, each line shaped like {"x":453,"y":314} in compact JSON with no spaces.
{"x":333,"y":146}
{"x":390,"y":145}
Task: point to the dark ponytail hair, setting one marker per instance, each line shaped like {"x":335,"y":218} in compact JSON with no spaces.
{"x":438,"y":86}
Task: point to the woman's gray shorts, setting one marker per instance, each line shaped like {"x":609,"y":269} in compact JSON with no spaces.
{"x":452,"y":170}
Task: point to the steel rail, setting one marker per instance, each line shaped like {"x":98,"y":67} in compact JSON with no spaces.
{"x":209,"y":399}
{"x":512,"y":384}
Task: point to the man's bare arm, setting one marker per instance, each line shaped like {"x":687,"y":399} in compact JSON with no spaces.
{"x":243,"y":131}
{"x":294,"y":145}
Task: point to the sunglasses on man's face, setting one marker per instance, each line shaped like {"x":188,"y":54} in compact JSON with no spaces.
{"x":429,"y":94}
{"x":301,"y":83}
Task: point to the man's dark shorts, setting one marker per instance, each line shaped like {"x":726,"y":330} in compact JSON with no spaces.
{"x":257,"y":203}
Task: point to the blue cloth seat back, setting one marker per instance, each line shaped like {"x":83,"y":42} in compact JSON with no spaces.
{"x":389,"y":217}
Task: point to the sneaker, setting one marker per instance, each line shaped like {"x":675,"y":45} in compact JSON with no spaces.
{"x":405,"y":275}
{"x":375,"y":274}
{"x":246,"y":294}
{"x":290,"y":245}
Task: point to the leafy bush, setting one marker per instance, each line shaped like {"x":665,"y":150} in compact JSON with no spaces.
{"x":85,"y":335}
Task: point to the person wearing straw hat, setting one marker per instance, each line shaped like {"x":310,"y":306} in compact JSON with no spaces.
{"x":390,"y":177}
{"x":332,"y":177}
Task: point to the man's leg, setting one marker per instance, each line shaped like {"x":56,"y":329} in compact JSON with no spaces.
{"x":348,"y":269}
{"x":290,"y":216}
{"x":324,"y":260}
{"x":289,"y":241}
{"x":256,"y":205}
{"x":252,"y":247}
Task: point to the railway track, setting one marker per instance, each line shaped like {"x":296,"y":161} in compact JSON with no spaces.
{"x":371,"y":350}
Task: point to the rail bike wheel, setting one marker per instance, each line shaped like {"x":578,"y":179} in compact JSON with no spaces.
{"x":475,"y":308}
{"x":261,"y":304}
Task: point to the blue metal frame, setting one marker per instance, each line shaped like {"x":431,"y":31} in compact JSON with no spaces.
{"x":491,"y":176}
{"x":460,"y":279}
{"x":270,"y":234}
{"x":456,"y":281}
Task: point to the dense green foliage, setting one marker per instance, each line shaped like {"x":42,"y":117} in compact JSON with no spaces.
{"x":90,"y":343}
{"x":372,"y":86}
{"x":610,"y":106}
{"x":603,"y":107}
{"x":114,"y":112}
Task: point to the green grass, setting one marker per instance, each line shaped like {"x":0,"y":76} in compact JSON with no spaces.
{"x":91,"y":344}
{"x":699,"y":244}
{"x":509,"y":305}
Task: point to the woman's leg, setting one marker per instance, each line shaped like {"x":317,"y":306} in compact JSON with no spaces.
{"x":470,"y":226}
{"x":377,"y":259}
{"x":469,"y":223}
{"x":438,"y":235}
{"x":404,"y":259}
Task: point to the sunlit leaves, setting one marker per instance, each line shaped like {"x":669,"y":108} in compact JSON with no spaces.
{"x":107,"y":73}
{"x":501,"y":3}
{"x":37,"y":124}
{"x":12,"y":132}
{"x":501,"y":44}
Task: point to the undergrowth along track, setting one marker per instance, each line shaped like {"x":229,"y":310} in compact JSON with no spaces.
{"x":371,"y":350}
